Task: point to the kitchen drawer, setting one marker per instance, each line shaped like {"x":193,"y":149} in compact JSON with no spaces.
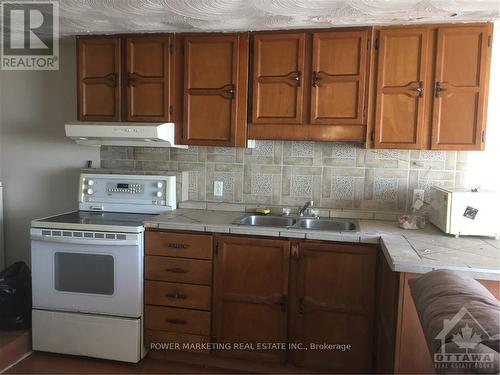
{"x":182,"y":245}
{"x":175,"y":341}
{"x":178,"y":295}
{"x":178,"y":320}
{"x":191,"y":271}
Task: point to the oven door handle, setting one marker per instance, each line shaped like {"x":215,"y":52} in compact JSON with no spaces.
{"x":84,"y":241}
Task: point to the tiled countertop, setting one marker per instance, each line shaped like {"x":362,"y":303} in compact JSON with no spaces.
{"x":417,"y":251}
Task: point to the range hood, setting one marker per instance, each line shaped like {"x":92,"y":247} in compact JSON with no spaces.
{"x":141,"y":134}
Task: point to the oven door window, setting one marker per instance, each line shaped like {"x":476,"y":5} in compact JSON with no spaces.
{"x":84,"y":273}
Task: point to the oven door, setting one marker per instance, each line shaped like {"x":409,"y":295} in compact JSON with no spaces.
{"x":88,"y":274}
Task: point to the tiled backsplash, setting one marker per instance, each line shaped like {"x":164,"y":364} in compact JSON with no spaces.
{"x":275,"y":173}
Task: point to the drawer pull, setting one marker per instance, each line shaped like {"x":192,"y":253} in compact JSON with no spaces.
{"x":176,"y":295}
{"x":174,"y":245}
{"x":176,"y":321}
{"x":176,"y":270}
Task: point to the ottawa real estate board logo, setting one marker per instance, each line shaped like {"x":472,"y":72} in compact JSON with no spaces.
{"x":30,"y":35}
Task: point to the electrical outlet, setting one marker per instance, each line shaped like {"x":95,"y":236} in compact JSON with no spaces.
{"x":418,"y":195}
{"x":218,"y":188}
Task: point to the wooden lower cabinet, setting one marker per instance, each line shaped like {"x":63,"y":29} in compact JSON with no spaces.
{"x":335,"y":296}
{"x":250,"y":296}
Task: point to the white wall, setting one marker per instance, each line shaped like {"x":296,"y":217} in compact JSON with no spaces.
{"x":39,"y":166}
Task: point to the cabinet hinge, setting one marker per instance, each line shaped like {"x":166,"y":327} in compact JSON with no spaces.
{"x":171,"y":109}
{"x":483,"y":137}
{"x":376,"y":44}
{"x":171,"y":48}
{"x":489,"y":40}
{"x":372,"y":135}
{"x":365,"y":111}
{"x":216,"y":250}
{"x":368,"y":44}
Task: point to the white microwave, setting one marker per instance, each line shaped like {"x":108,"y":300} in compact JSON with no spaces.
{"x":465,"y":213}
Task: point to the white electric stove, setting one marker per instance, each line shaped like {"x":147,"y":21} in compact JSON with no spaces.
{"x":88,"y":271}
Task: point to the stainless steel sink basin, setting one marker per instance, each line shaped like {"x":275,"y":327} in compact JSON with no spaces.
{"x":336,"y":225}
{"x":269,"y":221}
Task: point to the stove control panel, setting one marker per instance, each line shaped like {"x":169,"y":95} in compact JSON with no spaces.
{"x":127,"y":193}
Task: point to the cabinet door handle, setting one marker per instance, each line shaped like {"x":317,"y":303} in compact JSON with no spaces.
{"x":282,"y":303}
{"x":229,"y":92}
{"x":420,"y":89}
{"x":296,"y":76}
{"x":438,"y":89}
{"x":112,"y":79}
{"x":301,"y":305}
{"x":176,"y":270}
{"x":176,"y":321}
{"x":176,"y":295}
{"x":174,"y":245}
{"x":132,"y":78}
{"x":315,"y":79}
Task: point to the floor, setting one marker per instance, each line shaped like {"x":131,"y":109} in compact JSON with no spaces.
{"x":13,"y":345}
{"x":48,"y":363}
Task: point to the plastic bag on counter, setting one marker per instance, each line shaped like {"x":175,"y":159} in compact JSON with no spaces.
{"x":15,"y":297}
{"x":412,"y":221}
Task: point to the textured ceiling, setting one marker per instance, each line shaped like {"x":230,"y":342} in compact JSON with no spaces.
{"x":117,"y":16}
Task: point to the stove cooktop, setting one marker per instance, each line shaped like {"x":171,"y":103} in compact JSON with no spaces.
{"x":95,"y":221}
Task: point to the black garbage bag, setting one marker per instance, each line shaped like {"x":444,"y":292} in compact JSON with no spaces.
{"x":15,"y":297}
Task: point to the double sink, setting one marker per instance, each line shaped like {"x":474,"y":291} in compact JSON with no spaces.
{"x":335,"y":225}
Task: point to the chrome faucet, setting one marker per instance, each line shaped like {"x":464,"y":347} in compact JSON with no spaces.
{"x":305,"y":207}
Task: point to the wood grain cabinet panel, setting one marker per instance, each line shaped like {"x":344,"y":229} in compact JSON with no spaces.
{"x":177,"y":244}
{"x":460,"y":88}
{"x":401,"y":86}
{"x":336,"y":302}
{"x":190,"y":271}
{"x":177,"y":295}
{"x":278,"y":78}
{"x":339,"y":66}
{"x":250,"y":295}
{"x":148,"y":78}
{"x":177,"y":320}
{"x":99,"y":78}
{"x":215,"y":90}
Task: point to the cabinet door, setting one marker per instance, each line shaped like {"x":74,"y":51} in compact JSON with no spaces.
{"x":335,"y":298}
{"x":99,"y":78}
{"x":278,"y":69}
{"x":339,"y":73}
{"x":461,"y":84}
{"x":215,"y":90}
{"x":401,"y":81}
{"x":148,"y":78}
{"x":250,"y":295}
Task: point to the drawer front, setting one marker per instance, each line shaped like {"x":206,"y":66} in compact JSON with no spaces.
{"x":177,"y":295}
{"x":175,"y":341}
{"x":178,"y":320}
{"x":181,"y":245}
{"x":192,"y":271}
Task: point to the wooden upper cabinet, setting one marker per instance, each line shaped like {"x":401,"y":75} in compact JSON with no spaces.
{"x":148,"y":78}
{"x":278,"y":75}
{"x":99,"y":78}
{"x":461,"y":87}
{"x":250,"y":295}
{"x":336,"y":305}
{"x":339,"y":66}
{"x":401,"y":86}
{"x":215,"y":90}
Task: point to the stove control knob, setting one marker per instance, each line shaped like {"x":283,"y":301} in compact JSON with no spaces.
{"x":159,"y":194}
{"x":90,"y":191}
{"x":159,"y":185}
{"x":90,"y":182}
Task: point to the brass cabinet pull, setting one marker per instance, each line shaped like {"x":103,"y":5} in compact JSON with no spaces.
{"x":230,"y":92}
{"x":176,"y":270}
{"x":174,"y":245}
{"x":176,"y":321}
{"x":296,"y":76}
{"x":176,"y":295}
{"x":315,"y":79}
{"x":132,"y":78}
